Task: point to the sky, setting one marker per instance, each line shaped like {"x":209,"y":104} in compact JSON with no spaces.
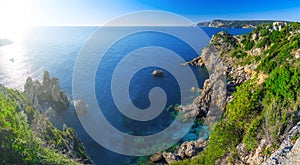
{"x":98,"y":12}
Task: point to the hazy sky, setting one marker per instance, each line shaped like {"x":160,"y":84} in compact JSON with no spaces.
{"x":97,"y":12}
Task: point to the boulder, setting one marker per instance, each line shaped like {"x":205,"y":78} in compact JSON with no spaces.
{"x":296,"y":53}
{"x":156,"y":157}
{"x":80,"y":107}
{"x":169,"y":157}
{"x":157,"y":73}
{"x":187,"y":150}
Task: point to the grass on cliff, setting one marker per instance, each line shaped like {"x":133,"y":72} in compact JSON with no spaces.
{"x":19,"y":143}
{"x":259,"y":111}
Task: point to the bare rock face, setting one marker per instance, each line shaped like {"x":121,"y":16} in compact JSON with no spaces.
{"x":257,"y":157}
{"x":294,"y":155}
{"x":47,"y":92}
{"x":288,"y":152}
{"x":212,"y":99}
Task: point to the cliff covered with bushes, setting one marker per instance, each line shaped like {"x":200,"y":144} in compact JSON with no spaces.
{"x":260,"y":121}
{"x":28,"y":137}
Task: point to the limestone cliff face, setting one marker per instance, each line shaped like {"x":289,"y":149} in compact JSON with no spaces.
{"x":46,"y":92}
{"x":288,"y":152}
{"x":225,"y":76}
{"x":211,"y":102}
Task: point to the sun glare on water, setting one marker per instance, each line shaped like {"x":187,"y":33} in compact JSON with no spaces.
{"x":14,"y":22}
{"x":14,"y":19}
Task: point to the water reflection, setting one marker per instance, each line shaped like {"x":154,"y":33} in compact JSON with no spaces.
{"x":14,"y":66}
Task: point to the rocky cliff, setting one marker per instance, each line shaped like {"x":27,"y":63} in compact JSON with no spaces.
{"x":46,"y":92}
{"x":262,"y":100}
{"x":27,"y":136}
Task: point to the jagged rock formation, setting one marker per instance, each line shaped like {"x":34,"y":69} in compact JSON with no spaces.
{"x":47,"y":92}
{"x":222,"y":71}
{"x":214,"y":89}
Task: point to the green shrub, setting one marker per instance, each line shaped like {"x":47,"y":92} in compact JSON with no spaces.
{"x":19,"y":145}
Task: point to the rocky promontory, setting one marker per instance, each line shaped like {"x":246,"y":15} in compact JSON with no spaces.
{"x":28,"y":137}
{"x":235,"y":23}
{"x":46,"y":92}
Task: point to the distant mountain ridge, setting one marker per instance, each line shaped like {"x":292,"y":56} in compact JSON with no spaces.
{"x":236,"y":23}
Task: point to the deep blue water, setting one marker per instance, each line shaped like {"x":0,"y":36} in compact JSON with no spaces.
{"x":55,"y":49}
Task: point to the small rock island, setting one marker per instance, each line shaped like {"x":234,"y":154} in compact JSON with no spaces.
{"x":157,"y":73}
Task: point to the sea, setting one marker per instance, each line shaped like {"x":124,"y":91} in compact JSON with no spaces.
{"x":55,"y":49}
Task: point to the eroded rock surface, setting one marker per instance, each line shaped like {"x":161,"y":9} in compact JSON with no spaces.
{"x":288,"y":152}
{"x":46,"y":92}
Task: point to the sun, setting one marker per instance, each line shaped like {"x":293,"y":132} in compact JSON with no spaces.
{"x":14,"y":18}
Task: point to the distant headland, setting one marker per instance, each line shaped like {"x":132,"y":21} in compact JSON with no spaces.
{"x":236,"y":23}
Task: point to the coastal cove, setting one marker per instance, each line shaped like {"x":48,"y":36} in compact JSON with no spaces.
{"x":55,"y":49}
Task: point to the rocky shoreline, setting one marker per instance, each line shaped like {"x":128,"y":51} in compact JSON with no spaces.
{"x":210,"y":105}
{"x":226,"y":74}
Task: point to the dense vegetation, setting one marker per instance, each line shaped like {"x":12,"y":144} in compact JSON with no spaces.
{"x":259,"y":110}
{"x":26,"y":137}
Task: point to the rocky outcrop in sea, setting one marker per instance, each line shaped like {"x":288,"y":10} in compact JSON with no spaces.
{"x":48,"y":92}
